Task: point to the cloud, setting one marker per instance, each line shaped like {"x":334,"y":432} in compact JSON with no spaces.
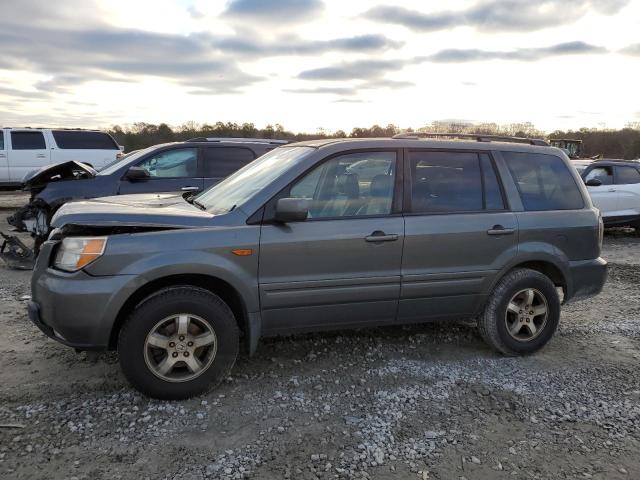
{"x":374,"y":71}
{"x":355,"y":70}
{"x":496,"y":15}
{"x":522,"y":54}
{"x":283,"y":11}
{"x":246,"y":45}
{"x":633,"y":50}
{"x":355,"y":89}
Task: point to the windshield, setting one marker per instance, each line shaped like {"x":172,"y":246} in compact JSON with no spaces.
{"x":242,"y":185}
{"x":109,"y":168}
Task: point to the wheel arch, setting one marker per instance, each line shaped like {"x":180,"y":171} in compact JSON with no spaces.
{"x":213,"y":284}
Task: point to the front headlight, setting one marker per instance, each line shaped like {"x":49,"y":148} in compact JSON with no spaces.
{"x":78,"y":252}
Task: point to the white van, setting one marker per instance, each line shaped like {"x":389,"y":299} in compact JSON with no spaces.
{"x":23,"y":150}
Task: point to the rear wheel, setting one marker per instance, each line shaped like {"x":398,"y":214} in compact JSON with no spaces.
{"x":178,"y":343}
{"x":522,"y":313}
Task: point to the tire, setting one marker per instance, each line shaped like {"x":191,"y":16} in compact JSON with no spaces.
{"x":499,"y":316}
{"x":160,"y":319}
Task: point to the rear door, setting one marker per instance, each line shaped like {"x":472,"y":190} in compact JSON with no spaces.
{"x":458,"y":233}
{"x":27,"y":152}
{"x":173,"y":170}
{"x":627,"y":184}
{"x":219,"y":162}
{"x":340,"y":267}
{"x":4,"y":161}
{"x":604,"y":196}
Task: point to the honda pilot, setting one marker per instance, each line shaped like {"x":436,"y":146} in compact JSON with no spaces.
{"x":329,"y":234}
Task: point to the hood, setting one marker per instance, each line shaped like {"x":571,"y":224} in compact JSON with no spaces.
{"x":164,"y":210}
{"x":59,"y":171}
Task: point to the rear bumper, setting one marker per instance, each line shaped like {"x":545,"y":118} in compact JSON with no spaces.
{"x":587,"y":278}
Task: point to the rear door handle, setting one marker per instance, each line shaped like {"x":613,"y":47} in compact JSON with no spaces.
{"x":500,"y":230}
{"x":380,"y":236}
{"x":189,"y":189}
{"x":612,"y":189}
{"x":41,"y":155}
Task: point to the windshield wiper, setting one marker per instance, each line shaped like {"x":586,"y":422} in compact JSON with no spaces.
{"x":198,"y":204}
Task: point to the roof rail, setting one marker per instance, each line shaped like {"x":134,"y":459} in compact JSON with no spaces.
{"x":473,"y":136}
{"x":238,"y":139}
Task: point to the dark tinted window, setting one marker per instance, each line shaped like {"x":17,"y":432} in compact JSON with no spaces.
{"x":75,"y":140}
{"x":1,"y":140}
{"x":223,"y":161}
{"x":445,"y":182}
{"x":627,"y":175}
{"x":27,"y":141}
{"x":544,"y":181}
{"x":492,"y":194}
{"x":604,"y":174}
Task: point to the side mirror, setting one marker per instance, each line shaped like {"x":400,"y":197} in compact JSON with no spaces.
{"x":136,"y":174}
{"x":291,"y":210}
{"x":593,"y":182}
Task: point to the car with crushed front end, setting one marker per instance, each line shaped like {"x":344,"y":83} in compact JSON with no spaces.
{"x":179,"y":167}
{"x":328,"y":234}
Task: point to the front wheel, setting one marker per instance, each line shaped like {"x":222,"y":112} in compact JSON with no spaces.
{"x":178,"y":343}
{"x":522,"y":313}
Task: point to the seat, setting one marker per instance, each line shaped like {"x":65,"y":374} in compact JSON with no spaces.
{"x":380,"y":198}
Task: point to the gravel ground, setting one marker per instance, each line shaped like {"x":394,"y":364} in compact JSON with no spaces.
{"x":420,"y":402}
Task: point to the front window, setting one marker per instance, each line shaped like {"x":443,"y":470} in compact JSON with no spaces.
{"x":604,"y":174}
{"x":351,"y":185}
{"x":178,"y":163}
{"x":249,"y":180}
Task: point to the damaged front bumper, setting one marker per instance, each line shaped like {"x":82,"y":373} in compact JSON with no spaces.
{"x":16,"y":254}
{"x":33,"y":219}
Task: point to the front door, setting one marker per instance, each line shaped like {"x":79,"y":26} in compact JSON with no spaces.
{"x":174,"y":170}
{"x":604,"y":196}
{"x":340,"y":267}
{"x":458,"y":234}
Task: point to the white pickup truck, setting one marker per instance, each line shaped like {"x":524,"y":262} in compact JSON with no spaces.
{"x":23,"y":150}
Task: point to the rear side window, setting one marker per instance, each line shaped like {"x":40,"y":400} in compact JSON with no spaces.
{"x":544,"y":182}
{"x":27,"y":141}
{"x":1,"y":140}
{"x":453,"y":182}
{"x":78,"y":140}
{"x":223,"y":161}
{"x":627,"y":175}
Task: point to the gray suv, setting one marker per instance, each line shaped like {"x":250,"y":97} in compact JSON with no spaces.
{"x":327,"y":234}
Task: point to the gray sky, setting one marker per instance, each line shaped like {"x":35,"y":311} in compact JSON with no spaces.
{"x":310,"y":64}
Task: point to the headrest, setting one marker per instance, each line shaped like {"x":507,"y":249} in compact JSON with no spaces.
{"x":381,"y":185}
{"x":347,"y":184}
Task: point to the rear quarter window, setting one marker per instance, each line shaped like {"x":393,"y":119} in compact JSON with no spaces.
{"x":1,"y":140}
{"x":544,"y":182}
{"x":77,"y":140}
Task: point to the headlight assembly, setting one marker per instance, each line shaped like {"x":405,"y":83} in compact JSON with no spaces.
{"x":77,"y":252}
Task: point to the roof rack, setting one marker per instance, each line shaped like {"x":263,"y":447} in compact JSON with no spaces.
{"x":473,"y":136}
{"x":238,"y":139}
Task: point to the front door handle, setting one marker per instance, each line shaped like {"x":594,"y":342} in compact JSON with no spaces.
{"x":189,"y":189}
{"x":612,"y":189}
{"x":380,"y":236}
{"x":500,"y":230}
{"x":41,"y":155}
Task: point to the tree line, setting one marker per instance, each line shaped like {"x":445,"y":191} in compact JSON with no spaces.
{"x":623,"y":143}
